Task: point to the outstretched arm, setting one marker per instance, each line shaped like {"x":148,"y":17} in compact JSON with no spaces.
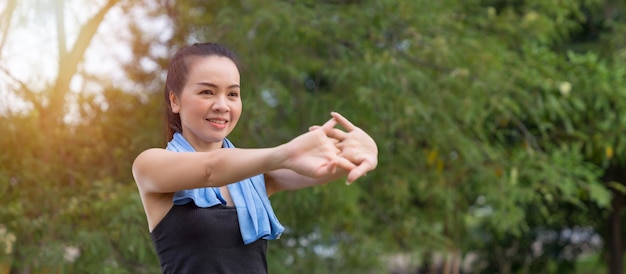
{"x":163,"y":171}
{"x":311,"y":154}
{"x":286,"y":179}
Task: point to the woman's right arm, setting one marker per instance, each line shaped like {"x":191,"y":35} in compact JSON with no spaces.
{"x":311,"y":154}
{"x":163,"y":171}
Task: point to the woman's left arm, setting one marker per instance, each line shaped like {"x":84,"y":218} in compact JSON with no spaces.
{"x":287,"y":179}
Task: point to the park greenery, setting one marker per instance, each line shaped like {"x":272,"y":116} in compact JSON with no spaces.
{"x":501,"y":127}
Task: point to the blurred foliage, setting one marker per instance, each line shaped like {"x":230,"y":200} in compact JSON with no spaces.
{"x":498,"y":123}
{"x":72,"y":189}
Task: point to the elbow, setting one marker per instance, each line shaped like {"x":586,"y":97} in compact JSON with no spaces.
{"x":209,"y":179}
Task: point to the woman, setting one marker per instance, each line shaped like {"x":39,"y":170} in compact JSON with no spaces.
{"x":208,"y":209}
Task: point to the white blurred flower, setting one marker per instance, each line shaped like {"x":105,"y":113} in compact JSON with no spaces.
{"x":71,"y":253}
{"x":7,"y":239}
{"x":565,"y":88}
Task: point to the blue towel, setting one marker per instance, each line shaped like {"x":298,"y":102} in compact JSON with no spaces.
{"x":254,"y":211}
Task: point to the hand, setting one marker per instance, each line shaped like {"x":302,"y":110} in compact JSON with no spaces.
{"x":314,"y":154}
{"x":355,"y":145}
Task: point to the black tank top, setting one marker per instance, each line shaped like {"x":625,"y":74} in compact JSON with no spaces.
{"x":192,"y":239}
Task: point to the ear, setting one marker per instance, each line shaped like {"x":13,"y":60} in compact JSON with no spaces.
{"x":174,"y":102}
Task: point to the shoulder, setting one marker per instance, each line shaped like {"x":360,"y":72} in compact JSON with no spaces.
{"x":149,"y":152}
{"x":143,"y":161}
{"x":149,"y":155}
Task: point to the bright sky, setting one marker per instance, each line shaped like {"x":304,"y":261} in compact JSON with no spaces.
{"x":30,"y":53}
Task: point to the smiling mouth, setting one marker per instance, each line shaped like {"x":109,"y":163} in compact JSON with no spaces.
{"x":220,"y":122}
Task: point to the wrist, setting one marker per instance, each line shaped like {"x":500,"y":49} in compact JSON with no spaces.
{"x":279,"y":157}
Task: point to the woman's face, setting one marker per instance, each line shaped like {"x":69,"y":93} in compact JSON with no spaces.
{"x":210,"y":103}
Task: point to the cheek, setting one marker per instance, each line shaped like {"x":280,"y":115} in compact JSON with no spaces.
{"x":239,"y":109}
{"x":191,"y":105}
{"x":236,"y":110}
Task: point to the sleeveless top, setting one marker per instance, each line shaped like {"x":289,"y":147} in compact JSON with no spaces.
{"x":193,"y":239}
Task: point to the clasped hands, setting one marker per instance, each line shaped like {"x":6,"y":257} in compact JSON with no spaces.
{"x":325,"y":148}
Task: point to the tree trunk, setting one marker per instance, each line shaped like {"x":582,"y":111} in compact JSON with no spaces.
{"x":456,"y":261}
{"x":5,"y":21}
{"x":69,"y":60}
{"x":614,"y":241}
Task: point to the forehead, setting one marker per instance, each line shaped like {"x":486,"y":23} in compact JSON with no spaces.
{"x":198,"y":63}
{"x":217,"y":70}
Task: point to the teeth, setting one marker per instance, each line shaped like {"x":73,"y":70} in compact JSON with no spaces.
{"x":218,"y":121}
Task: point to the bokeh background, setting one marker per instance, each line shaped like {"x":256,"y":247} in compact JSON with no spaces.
{"x":500,"y":124}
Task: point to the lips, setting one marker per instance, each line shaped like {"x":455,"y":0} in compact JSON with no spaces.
{"x":217,"y":123}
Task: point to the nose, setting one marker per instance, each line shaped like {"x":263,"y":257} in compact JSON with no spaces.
{"x":220,"y":104}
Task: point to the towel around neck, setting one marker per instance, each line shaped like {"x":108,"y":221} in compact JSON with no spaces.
{"x":254,"y":211}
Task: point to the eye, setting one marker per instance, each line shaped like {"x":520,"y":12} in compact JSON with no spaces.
{"x":233,"y":94}
{"x":206,"y":91}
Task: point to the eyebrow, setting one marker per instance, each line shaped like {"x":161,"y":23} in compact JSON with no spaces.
{"x":214,"y":85}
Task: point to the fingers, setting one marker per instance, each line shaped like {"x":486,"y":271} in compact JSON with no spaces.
{"x":337,"y":119}
{"x":334,"y":162}
{"x":352,"y":151}
{"x":359,"y":171}
{"x":345,"y":123}
{"x":332,"y":167}
{"x":336,"y":134}
{"x":329,"y":125}
{"x":345,"y":163}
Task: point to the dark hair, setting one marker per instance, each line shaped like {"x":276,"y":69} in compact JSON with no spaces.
{"x":178,"y":73}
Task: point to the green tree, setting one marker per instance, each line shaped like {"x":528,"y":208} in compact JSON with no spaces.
{"x":496,"y":122}
{"x":69,"y":200}
{"x":471,"y":102}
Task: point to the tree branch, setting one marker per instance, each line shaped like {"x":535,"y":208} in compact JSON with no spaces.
{"x":60,"y":16}
{"x":5,"y":21}
{"x":24,"y":91}
{"x":68,"y":64}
